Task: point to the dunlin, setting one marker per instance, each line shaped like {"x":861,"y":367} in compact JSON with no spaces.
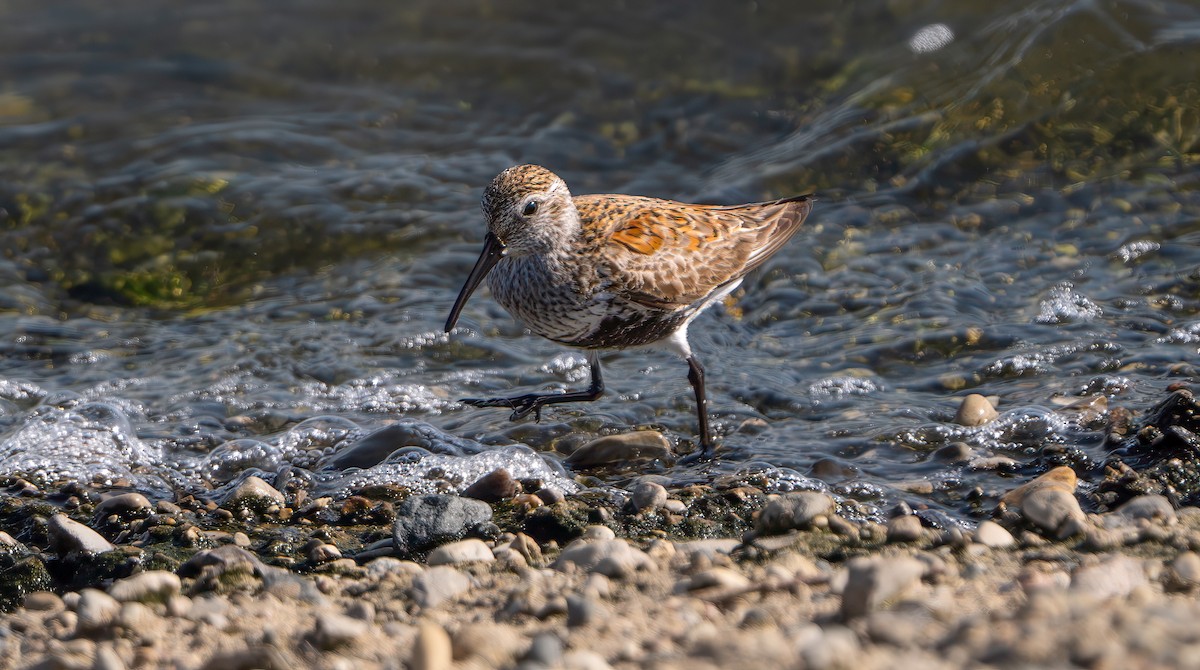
{"x":615,"y":271}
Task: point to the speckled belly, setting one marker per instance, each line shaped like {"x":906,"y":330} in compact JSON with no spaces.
{"x":558,"y":311}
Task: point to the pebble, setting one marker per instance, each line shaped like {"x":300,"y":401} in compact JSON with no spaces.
{"x":123,"y":504}
{"x":611,"y":558}
{"x":581,"y":610}
{"x":1061,"y":477}
{"x":257,"y":657}
{"x":598,"y":533}
{"x":438,"y":585}
{"x":647,"y":497}
{"x":432,"y":649}
{"x":488,"y":644}
{"x":792,"y":511}
{"x":831,"y":648}
{"x":550,"y":496}
{"x":107,"y":659}
{"x":955,"y":453}
{"x":1113,"y":577}
{"x":708,"y":549}
{"x":337,"y":630}
{"x":222,"y":560}
{"x":975,"y":410}
{"x":1186,"y":570}
{"x":96,"y":610}
{"x":68,"y":536}
{"x":470,"y":550}
{"x":713,"y":580}
{"x":426,"y":521}
{"x":44,"y":601}
{"x":905,"y":529}
{"x":991,"y":534}
{"x":252,"y":493}
{"x":153,"y":585}
{"x":494,"y":486}
{"x":1053,"y":510}
{"x":362,"y":610}
{"x":1149,"y":507}
{"x":870,"y":582}
{"x":324,"y":553}
{"x":547,"y":649}
{"x":640,"y":445}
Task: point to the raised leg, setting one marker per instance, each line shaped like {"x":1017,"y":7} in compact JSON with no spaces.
{"x":523,"y":405}
{"x":696,"y":377}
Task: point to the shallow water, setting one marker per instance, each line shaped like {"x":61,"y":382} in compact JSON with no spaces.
{"x":231,"y":234}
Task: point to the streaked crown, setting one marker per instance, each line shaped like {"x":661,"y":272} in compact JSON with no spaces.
{"x":529,"y":208}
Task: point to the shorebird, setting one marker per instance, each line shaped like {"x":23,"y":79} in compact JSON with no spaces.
{"x":615,"y":271}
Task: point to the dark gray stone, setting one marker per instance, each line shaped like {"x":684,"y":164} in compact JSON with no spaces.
{"x":423,"y":522}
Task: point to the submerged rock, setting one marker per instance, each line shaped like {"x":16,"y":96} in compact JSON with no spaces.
{"x":640,"y":445}
{"x":1162,"y":458}
{"x":975,"y":410}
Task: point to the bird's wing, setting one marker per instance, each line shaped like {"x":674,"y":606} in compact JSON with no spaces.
{"x":670,"y":255}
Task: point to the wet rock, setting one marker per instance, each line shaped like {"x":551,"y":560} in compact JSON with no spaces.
{"x":324,"y":553}
{"x":439,"y":584}
{"x":640,"y":445}
{"x":1162,"y":456}
{"x":955,"y":454}
{"x":871,"y":582}
{"x":96,"y":610}
{"x":792,"y":511}
{"x":494,"y":486}
{"x":611,"y":558}
{"x":151,"y":586}
{"x":904,"y":529}
{"x":337,"y":630}
{"x":252,"y":494}
{"x":67,"y":537}
{"x":1114,"y":577}
{"x":463,"y":551}
{"x":550,"y":496}
{"x":225,"y":566}
{"x":423,"y":522}
{"x":991,"y":534}
{"x":647,"y":497}
{"x":432,"y":649}
{"x":1062,"y":478}
{"x":975,"y":410}
{"x":126,"y":504}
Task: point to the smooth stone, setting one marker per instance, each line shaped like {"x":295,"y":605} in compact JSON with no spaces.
{"x":975,"y":410}
{"x":1052,"y":510}
{"x":324,"y":553}
{"x":871,"y":582}
{"x":386,"y":565}
{"x":831,"y":648}
{"x":1186,"y":570}
{"x":494,"y":486}
{"x":126,"y":503}
{"x":582,"y":659}
{"x":709,"y":549}
{"x":153,"y":585}
{"x":68,"y":536}
{"x":792,"y":511}
{"x":337,"y":630}
{"x":107,"y":659}
{"x":426,"y":521}
{"x":527,"y":547}
{"x":470,"y":550}
{"x":258,"y":657}
{"x":581,"y":611}
{"x":221,"y":560}
{"x":252,"y":492}
{"x":1114,"y":577}
{"x":550,"y":496}
{"x":956,"y":453}
{"x":715,"y":579}
{"x":96,"y":610}
{"x":373,"y":448}
{"x":363,"y":610}
{"x":991,"y":534}
{"x":598,"y":533}
{"x":1150,"y":507}
{"x":547,"y":649}
{"x":647,"y":497}
{"x":438,"y":585}
{"x":489,"y":644}
{"x":611,"y":558}
{"x":905,"y":529}
{"x":432,"y":649}
{"x":44,"y":601}
{"x":639,"y":445}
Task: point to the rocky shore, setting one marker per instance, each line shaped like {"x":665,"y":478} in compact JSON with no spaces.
{"x":511,"y":575}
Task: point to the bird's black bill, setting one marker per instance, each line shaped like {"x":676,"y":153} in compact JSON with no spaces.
{"x":493,"y":251}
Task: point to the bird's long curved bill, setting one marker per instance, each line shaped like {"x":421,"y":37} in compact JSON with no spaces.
{"x":493,"y":251}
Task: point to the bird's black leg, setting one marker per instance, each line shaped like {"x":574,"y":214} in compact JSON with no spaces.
{"x":696,"y":377}
{"x":523,"y":405}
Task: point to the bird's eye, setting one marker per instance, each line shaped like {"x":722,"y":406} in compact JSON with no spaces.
{"x":530,"y":208}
